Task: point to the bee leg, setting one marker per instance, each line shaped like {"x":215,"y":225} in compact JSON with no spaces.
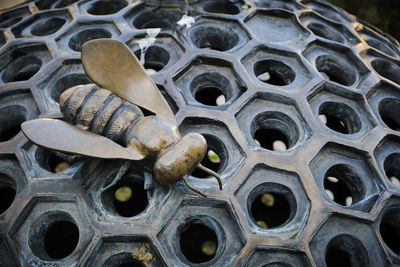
{"x":148,"y":181}
{"x":185,"y":180}
{"x":212,"y":173}
{"x":122,"y":170}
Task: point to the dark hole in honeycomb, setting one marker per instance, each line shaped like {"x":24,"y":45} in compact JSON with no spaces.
{"x":390,"y":229}
{"x":211,"y":89}
{"x":157,"y":19}
{"x":123,"y":260}
{"x":47,"y":26}
{"x":346,"y":251}
{"x":271,"y":205}
{"x":7,"y":192}
{"x":11,"y":118}
{"x":105,"y":7}
{"x":336,"y":70}
{"x":7,"y":21}
{"x":21,"y":69}
{"x":216,"y":38}
{"x":48,"y":4}
{"x":155,"y":58}
{"x":274,"y":72}
{"x":76,"y":41}
{"x":67,"y":81}
{"x":388,"y":110}
{"x":344,"y":184}
{"x":198,"y":242}
{"x":340,"y":117}
{"x":375,"y":43}
{"x":51,"y":161}
{"x":387,"y":69}
{"x":325,"y":32}
{"x":225,"y":7}
{"x":392,"y":168}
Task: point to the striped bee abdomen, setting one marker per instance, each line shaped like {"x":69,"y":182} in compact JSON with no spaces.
{"x":99,"y":111}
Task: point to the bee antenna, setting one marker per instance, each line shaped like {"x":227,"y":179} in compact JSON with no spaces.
{"x":212,"y":173}
{"x":185,"y":180}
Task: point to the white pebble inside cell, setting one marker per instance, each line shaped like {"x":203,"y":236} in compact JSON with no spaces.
{"x":330,"y":194}
{"x":220,"y":100}
{"x":349,"y":201}
{"x":279,"y":146}
{"x":151,"y":71}
{"x":323,"y":118}
{"x":332,"y":179}
{"x":395,"y":181}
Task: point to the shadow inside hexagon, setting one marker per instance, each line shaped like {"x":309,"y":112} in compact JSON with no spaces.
{"x":220,"y":7}
{"x":336,"y":63}
{"x":202,"y":231}
{"x":210,"y":82}
{"x":16,"y":106}
{"x":224,"y":155}
{"x":125,"y":251}
{"x":23,"y":61}
{"x":346,"y":178}
{"x":340,"y":110}
{"x":156,"y":55}
{"x":377,"y":41}
{"x":5,"y":254}
{"x":275,"y":26}
{"x":342,"y":241}
{"x":102,"y":7}
{"x":51,"y":229}
{"x":272,"y":122}
{"x":51,"y":4}
{"x":387,"y":155}
{"x":275,"y":256}
{"x":290,"y":5}
{"x":222,"y":35}
{"x":325,"y":10}
{"x":43,"y":24}
{"x":79,"y":33}
{"x":274,"y":202}
{"x":276,"y":68}
{"x":12,"y":17}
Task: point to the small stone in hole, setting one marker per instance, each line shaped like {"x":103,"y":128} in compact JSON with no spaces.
{"x":257,"y":142}
{"x":123,"y":194}
{"x":330,"y":194}
{"x":279,"y":146}
{"x":209,"y":248}
{"x":395,"y":181}
{"x":62,"y":166}
{"x":151,"y":71}
{"x":332,"y":179}
{"x":264,"y":77}
{"x":213,"y":157}
{"x":220,"y":100}
{"x":349,"y":201}
{"x":262,"y":224}
{"x":268,"y":199}
{"x":323,"y":119}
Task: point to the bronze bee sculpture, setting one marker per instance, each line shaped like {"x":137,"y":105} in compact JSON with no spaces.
{"x":109,"y":124}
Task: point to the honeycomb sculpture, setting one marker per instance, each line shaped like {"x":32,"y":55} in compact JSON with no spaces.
{"x":322,"y":83}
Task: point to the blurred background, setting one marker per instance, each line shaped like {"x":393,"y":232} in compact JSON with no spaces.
{"x":384,"y":14}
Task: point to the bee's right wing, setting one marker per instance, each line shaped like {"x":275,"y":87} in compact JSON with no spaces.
{"x":64,"y":137}
{"x":113,"y":66}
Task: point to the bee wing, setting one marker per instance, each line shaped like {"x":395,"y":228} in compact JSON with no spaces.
{"x":62,"y":136}
{"x":112,"y":65}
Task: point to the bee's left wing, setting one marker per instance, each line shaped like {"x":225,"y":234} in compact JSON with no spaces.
{"x":112,"y":65}
{"x":62,"y":136}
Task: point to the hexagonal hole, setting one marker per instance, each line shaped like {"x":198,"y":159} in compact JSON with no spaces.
{"x":67,"y":81}
{"x":343,"y":185}
{"x":8,"y":192}
{"x":53,"y":236}
{"x":336,"y":70}
{"x":21,"y":69}
{"x":50,"y":4}
{"x":387,"y":110}
{"x":324,"y":31}
{"x":387,"y":69}
{"x":211,"y":89}
{"x":389,"y":229}
{"x":47,"y":26}
{"x":214,"y":37}
{"x":274,"y":72}
{"x":271,"y":205}
{"x":127,"y":198}
{"x":340,"y":117}
{"x":11,"y":118}
{"x":274,"y":131}
{"x":346,"y":250}
{"x":391,"y":166}
{"x":77,"y":40}
{"x":123,"y":260}
{"x":12,"y":17}
{"x":154,"y":57}
{"x":105,"y":7}
{"x":161,"y":18}
{"x":52,"y":161}
{"x":376,"y":41}
{"x":224,"y":7}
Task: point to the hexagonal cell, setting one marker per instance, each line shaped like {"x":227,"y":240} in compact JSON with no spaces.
{"x":346,"y":178}
{"x":21,"y":62}
{"x":384,"y":66}
{"x":125,"y":251}
{"x":388,"y":228}
{"x":12,"y":182}
{"x":275,"y":26}
{"x":272,"y":122}
{"x":221,"y":35}
{"x":73,"y":39}
{"x":274,"y":202}
{"x":146,"y":17}
{"x":43,"y":24}
{"x":68,"y":74}
{"x":340,"y":111}
{"x":290,"y":5}
{"x":202,"y":232}
{"x":128,"y":197}
{"x":271,"y":256}
{"x":156,"y":55}
{"x":51,"y":4}
{"x":102,"y":7}
{"x":327,"y":29}
{"x":384,"y":100}
{"x":377,"y":41}
{"x":387,"y":155}
{"x":345,"y":242}
{"x":326,"y":11}
{"x":224,"y":155}
{"x":219,"y":6}
{"x":211,"y":82}
{"x":272,"y":67}
{"x":336,"y":63}
{"x":16,"y":106}
{"x":51,"y":229}
{"x":12,"y":17}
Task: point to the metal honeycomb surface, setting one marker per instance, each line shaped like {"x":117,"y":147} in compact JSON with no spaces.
{"x":304,"y":73}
